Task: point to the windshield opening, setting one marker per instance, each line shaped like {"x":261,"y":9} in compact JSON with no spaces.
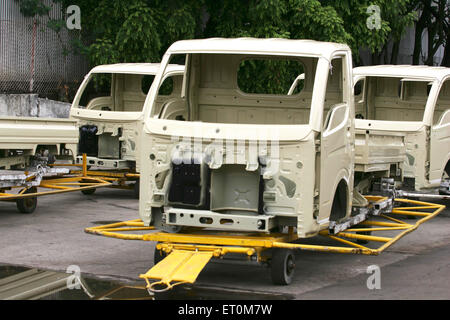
{"x":251,"y":89}
{"x":392,"y":99}
{"x":118,"y":92}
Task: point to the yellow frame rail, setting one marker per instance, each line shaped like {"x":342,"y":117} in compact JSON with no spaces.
{"x":66,"y":183}
{"x":59,"y":185}
{"x":217,"y":244}
{"x":120,"y":177}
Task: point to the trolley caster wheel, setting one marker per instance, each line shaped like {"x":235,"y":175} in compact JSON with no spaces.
{"x":158,"y":255}
{"x":88,"y":191}
{"x":27,"y":205}
{"x":136,"y":189}
{"x":364,"y":233}
{"x":282,"y":266}
{"x":444,"y":188}
{"x":405,"y":216}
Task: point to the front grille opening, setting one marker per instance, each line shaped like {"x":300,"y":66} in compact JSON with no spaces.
{"x":109,"y":146}
{"x":189,"y":184}
{"x":235,"y":190}
{"x":88,"y":142}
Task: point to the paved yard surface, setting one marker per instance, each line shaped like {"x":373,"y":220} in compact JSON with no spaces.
{"x":52,"y":237}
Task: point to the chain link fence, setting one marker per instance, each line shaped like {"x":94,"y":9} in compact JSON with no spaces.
{"x":34,"y":58}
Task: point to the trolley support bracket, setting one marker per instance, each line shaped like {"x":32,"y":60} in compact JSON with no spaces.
{"x":188,"y":253}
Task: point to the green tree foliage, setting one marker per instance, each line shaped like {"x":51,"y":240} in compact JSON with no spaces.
{"x":135,"y":30}
{"x":395,"y":17}
{"x":294,"y":19}
{"x":141,"y":30}
{"x":434,"y":20}
{"x":33,"y":8}
{"x":312,"y":19}
{"x":117,"y":31}
{"x":178,"y":19}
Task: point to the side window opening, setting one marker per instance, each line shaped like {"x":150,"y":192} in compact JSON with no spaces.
{"x":274,"y":76}
{"x":117,"y":92}
{"x":169,"y":104}
{"x":442,"y":104}
{"x":334,"y":90}
{"x":359,"y":93}
{"x":166,"y":88}
{"x":396,"y":99}
{"x":99,"y":85}
{"x":147,"y":81}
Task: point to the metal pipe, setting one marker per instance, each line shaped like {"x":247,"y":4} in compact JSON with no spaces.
{"x":84,"y":165}
{"x":423,"y":195}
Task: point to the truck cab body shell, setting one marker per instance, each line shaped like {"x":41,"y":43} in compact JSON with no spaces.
{"x":117,"y":118}
{"x":409,"y":122}
{"x":260,"y":161}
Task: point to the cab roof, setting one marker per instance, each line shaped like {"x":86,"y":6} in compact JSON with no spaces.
{"x":136,"y":68}
{"x":403,"y":71}
{"x":271,"y":46}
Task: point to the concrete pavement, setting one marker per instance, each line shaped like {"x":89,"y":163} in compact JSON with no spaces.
{"x":53,"y":238}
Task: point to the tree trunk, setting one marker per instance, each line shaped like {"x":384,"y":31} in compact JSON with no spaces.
{"x":417,"y":43}
{"x":376,"y":58}
{"x":432,"y":46}
{"x":420,"y":26}
{"x":395,"y":51}
{"x":446,"y":59}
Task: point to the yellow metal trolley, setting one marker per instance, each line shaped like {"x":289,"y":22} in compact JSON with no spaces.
{"x":119,"y":179}
{"x":180,"y":257}
{"x":33,"y":185}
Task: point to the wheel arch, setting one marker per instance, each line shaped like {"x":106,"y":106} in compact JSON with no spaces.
{"x":341,"y":202}
{"x":447,"y":166}
{"x":52,"y":148}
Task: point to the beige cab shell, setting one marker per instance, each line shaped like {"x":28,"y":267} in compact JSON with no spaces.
{"x":313,"y":130}
{"x":118,"y":128}
{"x":406,"y":111}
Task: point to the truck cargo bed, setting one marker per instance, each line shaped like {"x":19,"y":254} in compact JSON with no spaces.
{"x":379,"y":144}
{"x":20,"y":132}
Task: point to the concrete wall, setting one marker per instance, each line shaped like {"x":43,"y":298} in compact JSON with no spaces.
{"x":30,"y":105}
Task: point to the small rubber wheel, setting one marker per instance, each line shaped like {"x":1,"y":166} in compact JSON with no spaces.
{"x":136,"y":189}
{"x":405,"y":216}
{"x":282,"y":266}
{"x":27,"y":205}
{"x":158,"y":255}
{"x":444,"y":189}
{"x":88,"y":191}
{"x":364,"y":233}
{"x":444,"y":192}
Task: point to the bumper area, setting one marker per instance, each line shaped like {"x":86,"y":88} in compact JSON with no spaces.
{"x":210,"y":219}
{"x":106,"y":163}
